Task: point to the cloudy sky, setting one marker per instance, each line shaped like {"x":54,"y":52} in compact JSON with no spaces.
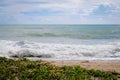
{"x":59,"y":11}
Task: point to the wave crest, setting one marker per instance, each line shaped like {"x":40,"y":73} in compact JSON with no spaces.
{"x":17,"y":49}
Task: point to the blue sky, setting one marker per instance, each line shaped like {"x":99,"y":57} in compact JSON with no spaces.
{"x":59,"y":11}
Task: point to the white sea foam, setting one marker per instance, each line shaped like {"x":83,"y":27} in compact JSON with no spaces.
{"x":54,"y":51}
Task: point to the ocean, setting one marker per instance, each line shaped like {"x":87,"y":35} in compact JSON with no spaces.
{"x":60,"y":42}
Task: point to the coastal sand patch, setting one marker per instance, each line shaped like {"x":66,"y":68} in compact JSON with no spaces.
{"x":113,"y":66}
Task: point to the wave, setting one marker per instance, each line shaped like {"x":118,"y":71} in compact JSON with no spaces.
{"x":17,"y":49}
{"x":70,"y":35}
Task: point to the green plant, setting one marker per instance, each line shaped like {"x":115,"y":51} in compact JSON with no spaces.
{"x":24,"y":69}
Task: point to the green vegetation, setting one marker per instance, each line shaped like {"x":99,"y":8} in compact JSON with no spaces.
{"x":24,"y":69}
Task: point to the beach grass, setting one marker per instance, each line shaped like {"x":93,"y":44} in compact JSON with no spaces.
{"x":24,"y":69}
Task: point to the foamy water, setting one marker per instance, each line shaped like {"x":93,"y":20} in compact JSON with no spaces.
{"x":53,"y":51}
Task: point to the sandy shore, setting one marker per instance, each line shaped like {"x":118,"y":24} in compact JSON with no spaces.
{"x":113,"y":66}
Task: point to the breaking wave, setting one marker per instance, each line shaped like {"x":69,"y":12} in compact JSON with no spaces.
{"x":54,"y":51}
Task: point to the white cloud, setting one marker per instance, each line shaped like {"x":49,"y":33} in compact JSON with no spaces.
{"x":68,"y":6}
{"x":80,"y":10}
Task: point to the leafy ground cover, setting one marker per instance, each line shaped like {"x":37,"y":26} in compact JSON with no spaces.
{"x":24,"y":69}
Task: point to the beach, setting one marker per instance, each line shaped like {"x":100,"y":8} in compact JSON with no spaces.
{"x":113,"y":66}
{"x":60,"y":40}
{"x":90,"y":46}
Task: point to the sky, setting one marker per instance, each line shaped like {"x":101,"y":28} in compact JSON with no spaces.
{"x":59,"y":11}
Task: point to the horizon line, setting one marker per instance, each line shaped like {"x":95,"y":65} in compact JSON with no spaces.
{"x":59,"y":24}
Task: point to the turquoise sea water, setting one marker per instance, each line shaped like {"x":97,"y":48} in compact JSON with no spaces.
{"x":60,"y":31}
{"x":68,"y":41}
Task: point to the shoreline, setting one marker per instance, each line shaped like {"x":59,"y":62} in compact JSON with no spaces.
{"x":113,"y":66}
{"x":82,"y":59}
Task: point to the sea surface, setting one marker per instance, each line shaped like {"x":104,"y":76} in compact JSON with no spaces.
{"x":60,"y":42}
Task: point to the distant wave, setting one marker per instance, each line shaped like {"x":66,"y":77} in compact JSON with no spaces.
{"x":16,"y":49}
{"x":69,"y":35}
{"x":41,"y":35}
